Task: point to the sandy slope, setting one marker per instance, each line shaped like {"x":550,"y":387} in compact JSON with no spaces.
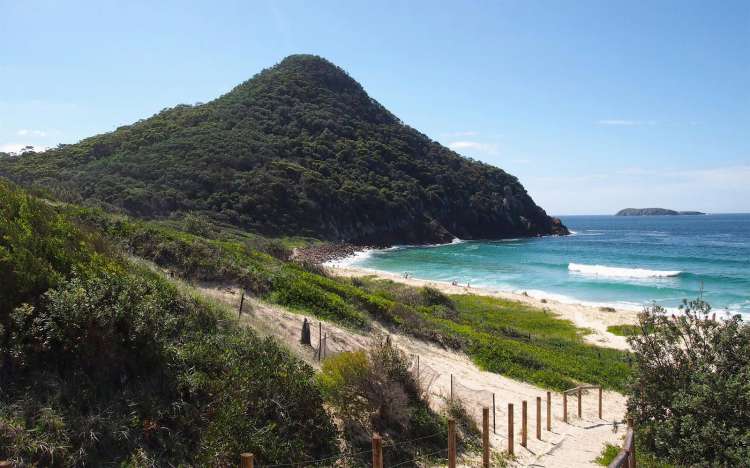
{"x":582,"y":316}
{"x":567,"y":445}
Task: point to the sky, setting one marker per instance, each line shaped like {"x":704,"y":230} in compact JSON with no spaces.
{"x":594,"y":106}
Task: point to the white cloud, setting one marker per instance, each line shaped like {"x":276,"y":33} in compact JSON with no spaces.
{"x":460,"y":134}
{"x":33,"y":133}
{"x":17,"y":147}
{"x":625,"y":122}
{"x":487,"y":148}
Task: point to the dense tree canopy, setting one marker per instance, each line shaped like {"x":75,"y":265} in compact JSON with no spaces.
{"x":299,"y":149}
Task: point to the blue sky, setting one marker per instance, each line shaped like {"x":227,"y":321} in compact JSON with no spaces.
{"x":594,"y":105}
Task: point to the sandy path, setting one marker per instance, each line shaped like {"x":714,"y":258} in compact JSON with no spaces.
{"x":568,"y":445}
{"x":591,"y":318}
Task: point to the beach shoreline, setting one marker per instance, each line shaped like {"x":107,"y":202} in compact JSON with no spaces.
{"x":595,"y":319}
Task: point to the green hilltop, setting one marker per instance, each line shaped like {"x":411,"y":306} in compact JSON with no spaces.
{"x":300,"y":149}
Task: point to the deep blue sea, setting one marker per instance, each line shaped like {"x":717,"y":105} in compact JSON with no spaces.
{"x":609,"y":260}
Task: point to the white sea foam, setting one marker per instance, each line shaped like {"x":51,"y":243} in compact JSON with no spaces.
{"x":618,"y":272}
{"x":350,"y":260}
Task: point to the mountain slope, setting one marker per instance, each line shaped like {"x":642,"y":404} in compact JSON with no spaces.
{"x":299,"y":149}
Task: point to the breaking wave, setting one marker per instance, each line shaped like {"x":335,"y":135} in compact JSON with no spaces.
{"x":618,"y":272}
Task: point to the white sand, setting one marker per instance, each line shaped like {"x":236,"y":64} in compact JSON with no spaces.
{"x":574,"y":444}
{"x":583,"y":316}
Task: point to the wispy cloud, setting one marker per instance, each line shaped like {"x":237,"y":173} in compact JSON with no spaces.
{"x":487,"y":148}
{"x":626,"y":122}
{"x":33,"y":133}
{"x":465,"y":133}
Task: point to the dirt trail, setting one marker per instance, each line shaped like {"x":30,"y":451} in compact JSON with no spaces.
{"x":575,"y":444}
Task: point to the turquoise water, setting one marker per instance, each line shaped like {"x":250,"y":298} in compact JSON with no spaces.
{"x":621,"y":261}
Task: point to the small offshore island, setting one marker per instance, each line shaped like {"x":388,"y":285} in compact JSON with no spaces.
{"x":655,"y":212}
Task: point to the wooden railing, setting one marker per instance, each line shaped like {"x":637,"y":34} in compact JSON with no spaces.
{"x":626,"y":457}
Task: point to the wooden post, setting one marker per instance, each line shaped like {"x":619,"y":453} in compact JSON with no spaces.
{"x":451,"y":387}
{"x":486,"y":437}
{"x":539,"y":418}
{"x":510,"y":428}
{"x":524,"y":427}
{"x":565,"y":407}
{"x":631,"y":454}
{"x":242,"y":301}
{"x":494,"y":414}
{"x":549,"y":411}
{"x":451,"y":443}
{"x":246,"y":460}
{"x":579,"y":402}
{"x":377,"y":451}
{"x":320,"y":339}
{"x":600,"y":402}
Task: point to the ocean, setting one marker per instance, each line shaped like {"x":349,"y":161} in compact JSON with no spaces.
{"x":624,"y":262}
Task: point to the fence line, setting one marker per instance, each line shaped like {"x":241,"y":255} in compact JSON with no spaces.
{"x":626,"y":457}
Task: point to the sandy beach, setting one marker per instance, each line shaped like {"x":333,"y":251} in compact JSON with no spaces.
{"x":592,"y":318}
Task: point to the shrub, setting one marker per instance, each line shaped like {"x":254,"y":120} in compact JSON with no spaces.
{"x":373,"y":391}
{"x":692,"y":389}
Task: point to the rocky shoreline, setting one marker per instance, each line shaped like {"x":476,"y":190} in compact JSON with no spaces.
{"x":322,"y":253}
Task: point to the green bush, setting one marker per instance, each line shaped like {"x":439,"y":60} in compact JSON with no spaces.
{"x":692,"y":388}
{"x":373,"y":391}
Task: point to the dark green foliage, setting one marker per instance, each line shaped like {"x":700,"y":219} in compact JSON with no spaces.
{"x":300,"y":149}
{"x":113,"y":365}
{"x":38,"y":248}
{"x":691,"y":394}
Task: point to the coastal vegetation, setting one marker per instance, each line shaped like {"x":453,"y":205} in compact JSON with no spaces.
{"x":104,"y":360}
{"x":691,"y":389}
{"x":502,"y":336}
{"x":298,"y":150}
{"x":623,"y":330}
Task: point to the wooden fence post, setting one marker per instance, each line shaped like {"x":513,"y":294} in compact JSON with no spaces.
{"x":631,"y":454}
{"x":320,"y":340}
{"x":246,"y":460}
{"x":600,"y":402}
{"x":580,"y":393}
{"x":539,"y":418}
{"x":486,"y":437}
{"x":510,"y":428}
{"x":451,"y":443}
{"x":417,"y":368}
{"x":524,"y":428}
{"x":565,"y":407}
{"x":377,"y":451}
{"x":549,"y":411}
{"x":242,"y":301}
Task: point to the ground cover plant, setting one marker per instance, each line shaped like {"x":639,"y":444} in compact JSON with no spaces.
{"x":502,"y":336}
{"x":103,"y":362}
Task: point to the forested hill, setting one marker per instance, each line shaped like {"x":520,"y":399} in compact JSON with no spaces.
{"x":299,"y":149}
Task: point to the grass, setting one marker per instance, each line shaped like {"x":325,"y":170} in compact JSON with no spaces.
{"x":512,"y":338}
{"x":609,"y":452}
{"x":506,"y":337}
{"x":624,"y":330}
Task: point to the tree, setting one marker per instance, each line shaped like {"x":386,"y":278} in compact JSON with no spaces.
{"x":691,"y":395}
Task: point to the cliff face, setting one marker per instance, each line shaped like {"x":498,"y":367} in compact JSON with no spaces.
{"x":654,"y":212}
{"x":299,"y":149}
